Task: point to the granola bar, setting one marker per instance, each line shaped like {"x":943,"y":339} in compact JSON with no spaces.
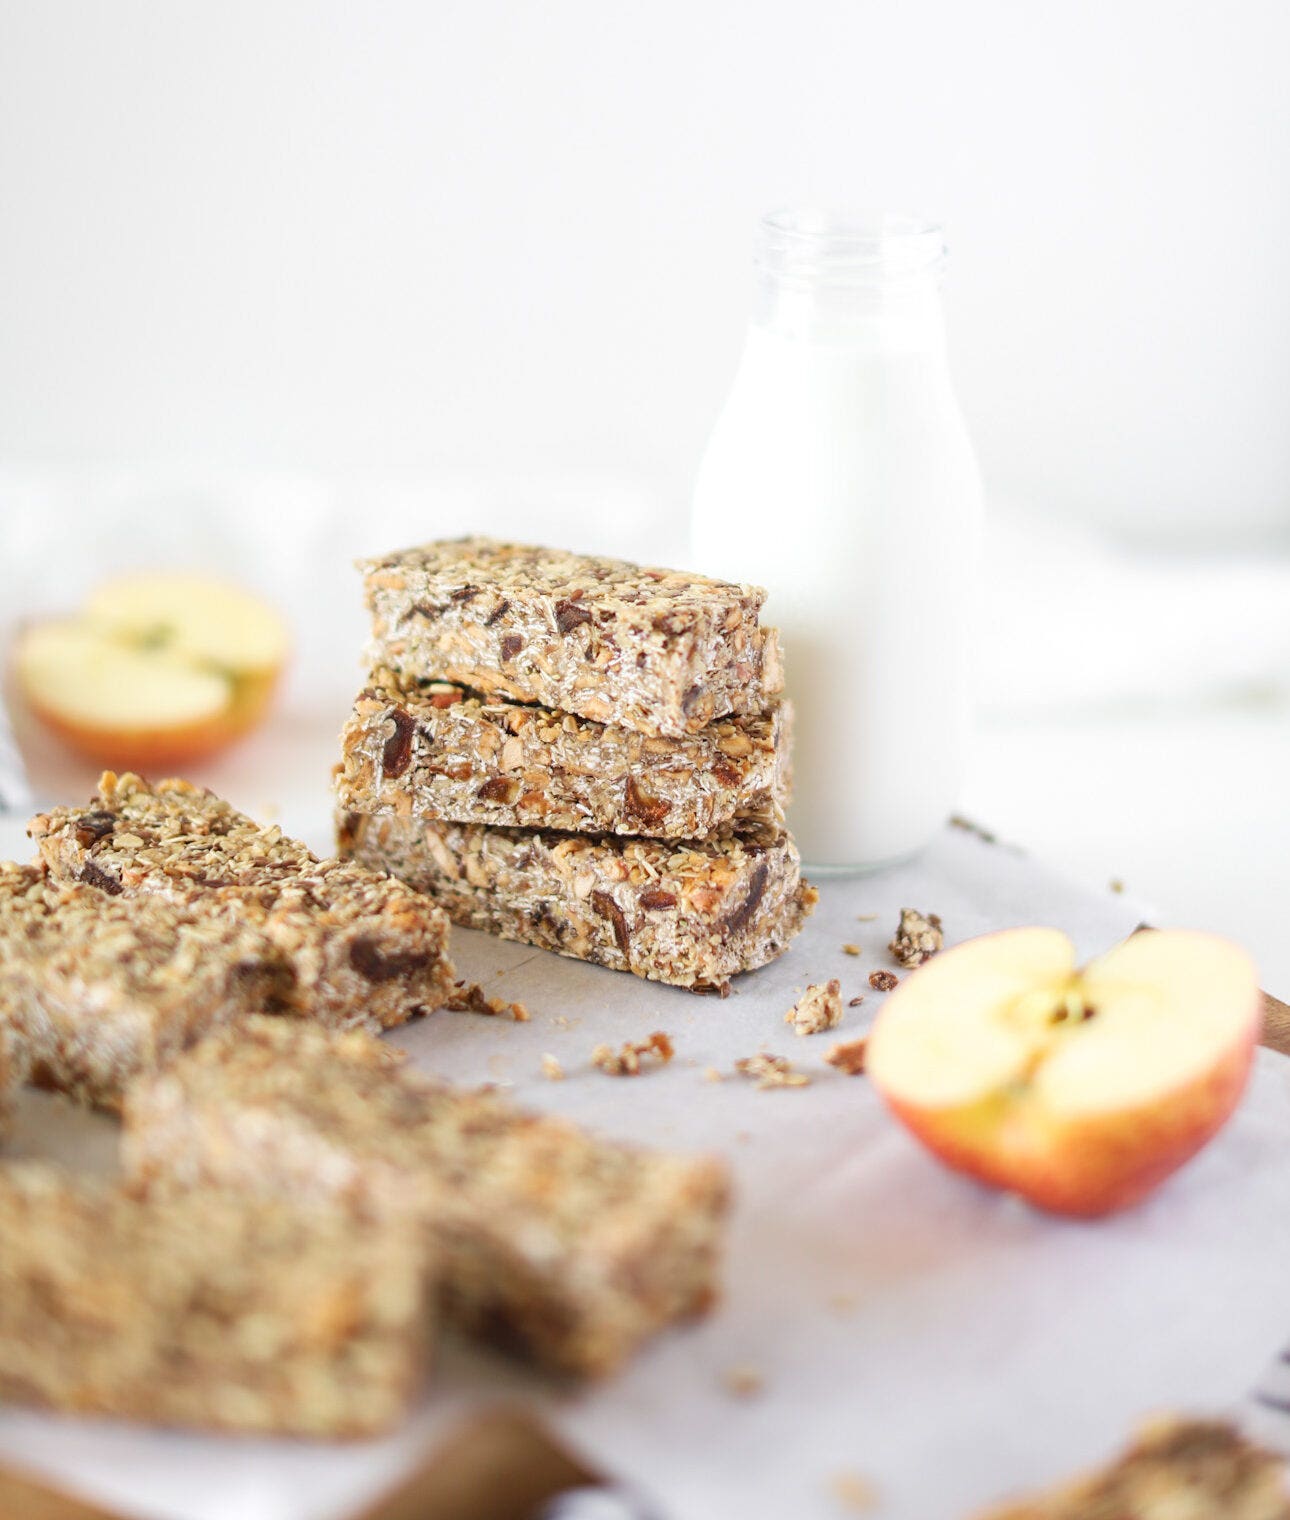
{"x":208,"y":1310}
{"x":433,"y":749}
{"x":692,"y":913}
{"x":95,"y":989}
{"x":653,"y":650}
{"x":1185,"y":1468}
{"x":571,"y":1248}
{"x":10,"y":1075}
{"x":364,"y":950}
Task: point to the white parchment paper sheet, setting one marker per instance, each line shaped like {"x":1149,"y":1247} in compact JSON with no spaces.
{"x":944,"y":1343}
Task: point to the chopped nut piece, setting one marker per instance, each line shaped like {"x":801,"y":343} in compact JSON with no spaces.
{"x":470,"y":998}
{"x":552,"y":1070}
{"x":819,"y":1008}
{"x":771,"y":1071}
{"x":851,"y":949}
{"x":883,"y":981}
{"x":917,"y":938}
{"x":853,"y":1492}
{"x":627,"y":1061}
{"x":855,"y":1001}
{"x":848,"y":1057}
{"x":744,"y":1382}
{"x":866,"y":918}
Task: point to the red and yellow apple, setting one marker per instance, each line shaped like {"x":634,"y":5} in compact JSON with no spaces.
{"x":1080,"y":1089}
{"x":158,"y":669}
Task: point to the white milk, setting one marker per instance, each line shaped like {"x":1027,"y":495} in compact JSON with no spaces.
{"x":841,"y":478}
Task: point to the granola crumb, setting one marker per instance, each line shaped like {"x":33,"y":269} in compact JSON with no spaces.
{"x":855,"y":1001}
{"x":848,"y":1057}
{"x":853,"y":1492}
{"x":849,"y":949}
{"x":883,"y":981}
{"x":771,"y":1071}
{"x":866,"y":918}
{"x":469,"y":997}
{"x":627,"y":1062}
{"x":818,"y":1008}
{"x":711,"y":1074}
{"x":918,"y":937}
{"x":552,"y":1070}
{"x":1115,"y":884}
{"x":563,"y":1021}
{"x":743,"y":1382}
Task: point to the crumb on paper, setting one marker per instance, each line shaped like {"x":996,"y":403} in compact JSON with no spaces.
{"x":848,"y":1057}
{"x":918,"y":937}
{"x":627,"y":1061}
{"x":855,"y":1001}
{"x":818,"y":1008}
{"x":469,"y":997}
{"x":771,"y":1071}
{"x":1115,"y":884}
{"x":711,"y":1074}
{"x":883,"y":981}
{"x":552,"y":1070}
{"x":866,"y":918}
{"x":743,"y":1382}
{"x":853,"y":1492}
{"x":849,"y":949}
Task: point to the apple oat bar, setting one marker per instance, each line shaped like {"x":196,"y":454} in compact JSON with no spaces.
{"x":210,"y":1310}
{"x":95,"y":990}
{"x":658,"y":651}
{"x":571,"y":1248}
{"x":364,"y":950}
{"x":438,"y":750}
{"x":693,"y":913}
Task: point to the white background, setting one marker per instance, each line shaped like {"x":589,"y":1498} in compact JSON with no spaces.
{"x":283,"y":281}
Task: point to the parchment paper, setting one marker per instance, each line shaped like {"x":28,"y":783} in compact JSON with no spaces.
{"x":944,"y":1344}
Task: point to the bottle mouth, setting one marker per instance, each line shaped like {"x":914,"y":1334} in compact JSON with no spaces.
{"x":809,"y":245}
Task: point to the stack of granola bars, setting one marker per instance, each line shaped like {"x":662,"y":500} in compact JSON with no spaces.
{"x":579,"y":753}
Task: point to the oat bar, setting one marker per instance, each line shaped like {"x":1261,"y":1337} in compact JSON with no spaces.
{"x":571,"y":1248}
{"x":95,"y":989}
{"x":692,"y":913}
{"x":364,"y":950}
{"x":657,"y":651}
{"x":10,"y":1074}
{"x":208,"y":1311}
{"x":437,"y":750}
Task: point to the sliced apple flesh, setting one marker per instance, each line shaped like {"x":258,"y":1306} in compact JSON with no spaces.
{"x":159,"y":669}
{"x":1080,"y":1089}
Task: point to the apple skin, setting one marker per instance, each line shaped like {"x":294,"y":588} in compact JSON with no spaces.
{"x":1089,"y":1167}
{"x":149,"y":749}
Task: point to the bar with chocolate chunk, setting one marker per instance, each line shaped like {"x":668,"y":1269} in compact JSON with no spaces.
{"x":211,"y":1310}
{"x":432,"y":749}
{"x":570,"y":1248}
{"x":693,"y":913}
{"x":363,"y":950}
{"x":658,"y":651}
{"x":95,"y":990}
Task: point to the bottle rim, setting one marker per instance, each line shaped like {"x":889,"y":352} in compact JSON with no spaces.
{"x":810,"y":245}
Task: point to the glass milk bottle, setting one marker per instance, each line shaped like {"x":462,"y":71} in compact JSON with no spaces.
{"x":840,"y":477}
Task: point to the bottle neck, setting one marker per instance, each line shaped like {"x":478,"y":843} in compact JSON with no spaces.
{"x":872,"y":280}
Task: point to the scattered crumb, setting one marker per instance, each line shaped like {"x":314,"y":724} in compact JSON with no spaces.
{"x":711,"y":1074}
{"x":563,"y":1021}
{"x":744,"y":1382}
{"x":468,"y":997}
{"x":1115,"y":884}
{"x":818,"y":1008}
{"x":627,"y":1061}
{"x":883,"y":981}
{"x":851,"y":949}
{"x":918,"y":937}
{"x":552,"y":1070}
{"x":853,"y":1492}
{"x":856,"y":1001}
{"x":844,"y":1303}
{"x":771,"y":1071}
{"x":866,"y":918}
{"x":848,"y":1057}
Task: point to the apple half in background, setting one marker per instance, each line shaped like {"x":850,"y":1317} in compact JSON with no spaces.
{"x":1081,"y":1090}
{"x":158,"y":670}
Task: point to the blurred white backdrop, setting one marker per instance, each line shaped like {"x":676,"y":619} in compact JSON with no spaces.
{"x":282,"y":281}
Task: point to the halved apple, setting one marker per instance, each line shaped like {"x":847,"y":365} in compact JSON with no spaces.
{"x":1082,"y":1090}
{"x":159,"y":669}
